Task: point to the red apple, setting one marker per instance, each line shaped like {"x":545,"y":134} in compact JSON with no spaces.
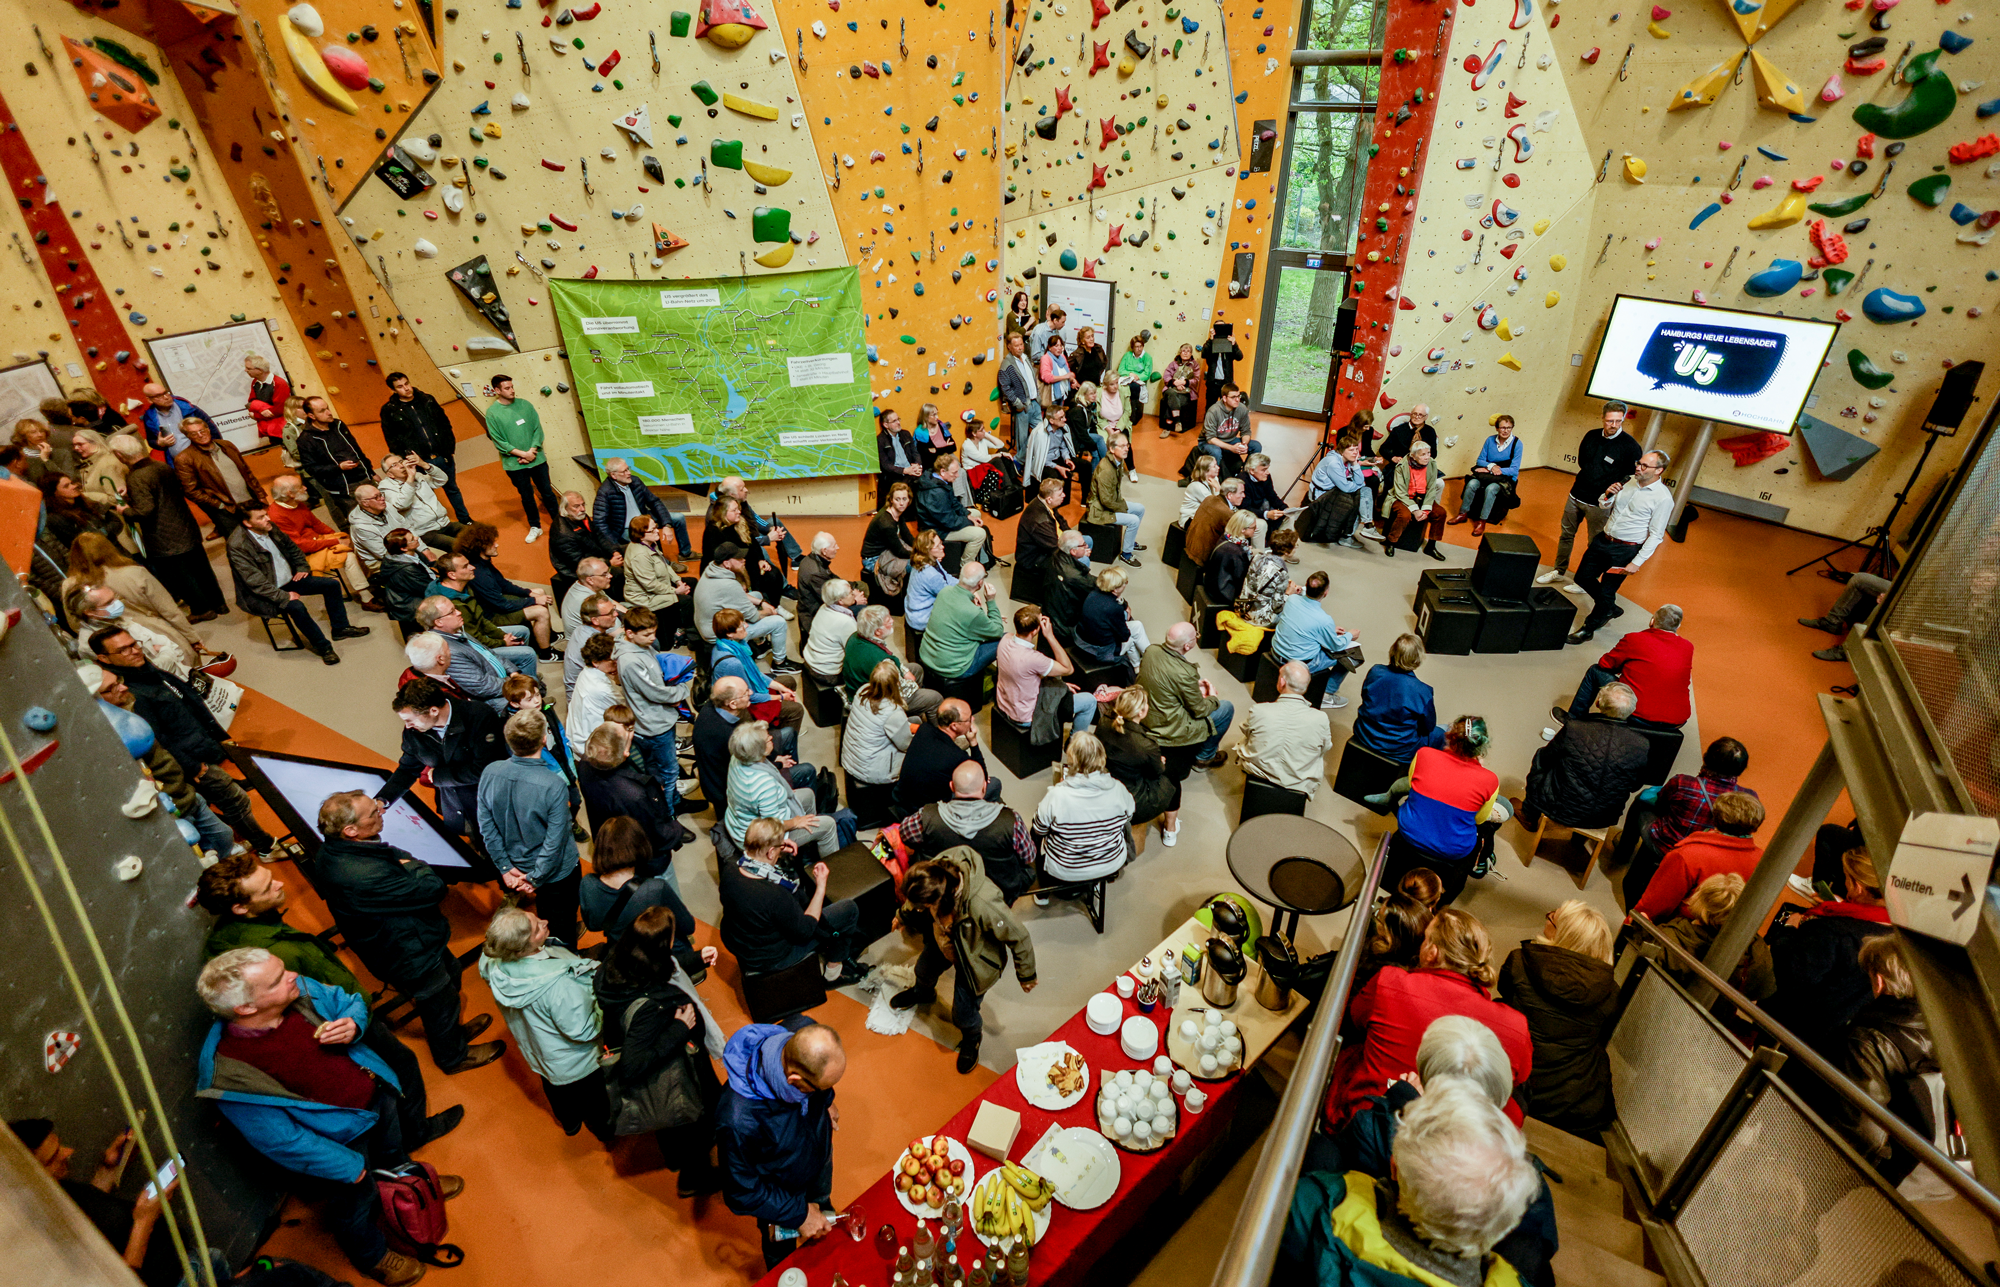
{"x":957,"y":1167}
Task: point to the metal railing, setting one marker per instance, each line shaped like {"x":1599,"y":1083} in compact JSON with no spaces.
{"x":1260,"y":1224}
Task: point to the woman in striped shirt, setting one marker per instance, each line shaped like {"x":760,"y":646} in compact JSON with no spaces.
{"x":1083,"y":827}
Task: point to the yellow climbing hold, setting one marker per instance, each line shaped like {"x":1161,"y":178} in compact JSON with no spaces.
{"x":777,"y":257}
{"x":1657,"y":32}
{"x":748,"y":106}
{"x":1558,"y":262}
{"x":1506,"y":331}
{"x":1635,"y":169}
{"x":1509,"y":361}
{"x":770,"y":176}
{"x":313,"y":71}
{"x":1754,"y":20}
{"x":1785,"y":213}
{"x":1541,"y":226}
{"x":1776,"y":90}
{"x":1705,"y":88}
{"x":1552,"y":299}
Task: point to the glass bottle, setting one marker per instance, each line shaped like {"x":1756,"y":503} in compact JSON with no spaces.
{"x":978,"y":1277}
{"x":905,"y":1262}
{"x":923,"y":1245}
{"x":885,"y":1241}
{"x":1017,"y":1264}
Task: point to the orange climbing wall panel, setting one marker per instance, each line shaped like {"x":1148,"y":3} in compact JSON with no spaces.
{"x":1260,"y":69}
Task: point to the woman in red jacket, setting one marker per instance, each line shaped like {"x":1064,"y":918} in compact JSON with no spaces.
{"x":1387,"y":1018}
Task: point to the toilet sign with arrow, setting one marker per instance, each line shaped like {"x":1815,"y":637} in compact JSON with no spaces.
{"x":1939,"y":875}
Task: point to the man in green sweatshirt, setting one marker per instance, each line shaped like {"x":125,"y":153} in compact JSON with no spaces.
{"x":964,"y":633}
{"x":516,"y":431}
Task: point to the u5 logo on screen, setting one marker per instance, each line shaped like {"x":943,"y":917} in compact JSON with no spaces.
{"x":1735,"y":361}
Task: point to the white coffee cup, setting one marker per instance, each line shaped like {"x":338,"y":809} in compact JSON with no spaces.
{"x":1196,"y":1099}
{"x":1126,"y":987}
{"x":1182,"y":1081}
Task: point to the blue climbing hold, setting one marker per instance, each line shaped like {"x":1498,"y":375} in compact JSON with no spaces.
{"x":1885,"y":306}
{"x":1988,"y":108}
{"x":874,"y":355}
{"x":482,"y":109}
{"x":1190,"y":26}
{"x":1712,"y":207}
{"x":39,"y":719}
{"x":1773,"y":155}
{"x":1251,"y":204}
{"x":1243,"y":97}
{"x":137,"y":319}
{"x":1962,"y":213}
{"x":1951,"y":42}
{"x":1780,"y":277}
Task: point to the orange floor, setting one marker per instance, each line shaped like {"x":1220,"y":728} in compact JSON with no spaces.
{"x":539,"y":1207}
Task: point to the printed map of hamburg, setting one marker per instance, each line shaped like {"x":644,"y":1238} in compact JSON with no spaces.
{"x":764,"y":377}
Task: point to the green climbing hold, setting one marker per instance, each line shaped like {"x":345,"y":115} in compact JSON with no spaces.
{"x":908,"y":339}
{"x":674,"y":120}
{"x":1930,"y":100}
{"x":498,"y":57}
{"x":706,"y":93}
{"x":188,"y":289}
{"x":578,"y":42}
{"x":680,"y":183}
{"x":1068,"y":261}
{"x":238,"y":317}
{"x":1836,"y":280}
{"x":958,"y":80}
{"x":1842,"y":208}
{"x":680,"y":22}
{"x":959,"y":99}
{"x":180,"y":172}
{"x":376,"y":83}
{"x":1865,"y":372}
{"x":727,"y":153}
{"x":771,"y":223}
{"x":1930,"y":189}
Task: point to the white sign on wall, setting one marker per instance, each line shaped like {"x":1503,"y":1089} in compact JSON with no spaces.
{"x":1937,"y":880}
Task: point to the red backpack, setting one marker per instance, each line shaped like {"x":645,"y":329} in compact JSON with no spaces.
{"x":413,"y":1214}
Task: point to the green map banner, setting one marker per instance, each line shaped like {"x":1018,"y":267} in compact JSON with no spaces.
{"x":762,"y":377}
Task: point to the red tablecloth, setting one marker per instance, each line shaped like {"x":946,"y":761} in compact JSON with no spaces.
{"x":1076,"y":1239}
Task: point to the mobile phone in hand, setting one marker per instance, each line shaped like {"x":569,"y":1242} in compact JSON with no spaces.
{"x":168,"y":1173}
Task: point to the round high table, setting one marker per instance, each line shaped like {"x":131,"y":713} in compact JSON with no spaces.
{"x":1298,"y":866}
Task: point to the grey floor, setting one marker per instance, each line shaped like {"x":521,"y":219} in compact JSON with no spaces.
{"x":1164,"y":886}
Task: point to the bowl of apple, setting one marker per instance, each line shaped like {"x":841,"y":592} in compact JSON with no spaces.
{"x":932,"y":1171}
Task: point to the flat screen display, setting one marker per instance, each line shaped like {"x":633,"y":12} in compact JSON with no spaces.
{"x":305,"y":784}
{"x":1749,"y":369}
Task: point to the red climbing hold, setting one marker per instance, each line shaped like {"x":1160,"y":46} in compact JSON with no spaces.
{"x":1107,"y":132}
{"x":1062,"y":102}
{"x":1808,"y":185}
{"x":1090,"y":268}
{"x":1100,"y":56}
{"x":1099,"y":11}
{"x":610,"y":61}
{"x":1865,"y":146}
{"x":1388,"y":401}
{"x":557,"y":166}
{"x":1865,"y":67}
{"x":1407,"y":305}
{"x":1831,"y":245}
{"x":1511,"y":179}
{"x":1513,"y":105}
{"x":1507,"y":251}
{"x":561,"y":222}
{"x":1117,"y":235}
{"x":590,"y":272}
{"x":1591,"y":57}
{"x":1986,"y":145}
{"x":1097,"y":173}
{"x":585,"y":15}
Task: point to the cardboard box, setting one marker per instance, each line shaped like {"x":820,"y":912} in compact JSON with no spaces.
{"x":993,"y":1130}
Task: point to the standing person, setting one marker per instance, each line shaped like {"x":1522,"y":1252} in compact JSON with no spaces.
{"x":615,"y":788}
{"x":774,"y":1131}
{"x":386,"y":905}
{"x":162,"y":420}
{"x":1135,"y":372}
{"x":1416,"y":496}
{"x":516,"y":430}
{"x":1185,"y":717}
{"x":544,"y":991}
{"x":273,"y":578}
{"x":1087,"y":357}
{"x":621,"y":497}
{"x":454,"y":740}
{"x":527,"y":823}
{"x":895,"y":452}
{"x":1219,"y":356}
{"x":1604,"y":459}
{"x":95,"y":561}
{"x":1225,"y":430}
{"x":1636,"y":520}
{"x":655,"y":703}
{"x":215,"y":476}
{"x":1107,"y":497}
{"x":1020,"y":387}
{"x":268,"y":395}
{"x":329,"y":453}
{"x":1055,"y":372}
{"x":1492,"y":478}
{"x":1043,"y":333}
{"x":413,"y":424}
{"x":1020,"y":314}
{"x":170,"y":530}
{"x":966,"y":927}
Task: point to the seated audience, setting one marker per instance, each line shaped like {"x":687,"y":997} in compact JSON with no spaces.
{"x":1022,"y":667}
{"x":815,"y":569}
{"x":1135,"y":761}
{"x":455,"y":740}
{"x":545,"y":995}
{"x":1307,"y":635}
{"x":505,"y":603}
{"x":1595,"y":762}
{"x":650,"y":580}
{"x":995,"y":832}
{"x":621,"y":884}
{"x":1864,"y":590}
{"x":127,"y":1224}
{"x":722,"y":585}
{"x":1454,"y":970}
{"x":965,"y":628}
{"x":833,"y":626}
{"x":99,"y":607}
{"x":577,"y":539}
{"x":467,"y":669}
{"x":774,"y":1131}
{"x":403,"y":577}
{"x":657,"y":1026}
{"x":1184,"y":715}
{"x":775,"y":912}
{"x":887,"y":546}
{"x":1561,"y":982}
{"x":1489,"y":488}
{"x":732,"y":659}
{"x":1035,"y":537}
{"x":1817,"y":959}
{"x":1398,"y":711}
{"x":614,"y":787}
{"x":1106,"y":628}
{"x":409,"y":485}
{"x":936,"y":751}
{"x":941,"y":509}
{"x":1342,"y":499}
{"x":1395,"y":935}
{"x":1694,"y":929}
{"x":877,"y":734}
{"x":1416,"y":495}
{"x":1727,"y":848}
{"x":1070,"y":583}
{"x":1285,"y":741}
{"x":728,"y":706}
{"x":452,"y":581}
{"x":1083,"y":827}
{"x":1205,"y":529}
{"x":597,"y":614}
{"x":1679,"y":809}
{"x":758,"y":788}
{"x":1228,"y":564}
{"x":1260,"y":497}
{"x":273,"y":578}
{"x":655,"y":703}
{"x":868,"y":647}
{"x":963,"y":920}
{"x":595,"y":690}
{"x":1447,"y":808}
{"x":621,"y":498}
{"x":328,"y":551}
{"x":1889,"y":1054}
{"x":928,"y":579}
{"x":1203,"y":482}
{"x":1107,"y":497}
{"x":1656,"y":663}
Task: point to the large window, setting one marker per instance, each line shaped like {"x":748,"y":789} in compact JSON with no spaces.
{"x":1327,"y":133}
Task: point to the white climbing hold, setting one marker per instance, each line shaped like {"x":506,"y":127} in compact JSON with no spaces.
{"x":520,"y":102}
{"x":307,"y":20}
{"x":419,"y":148}
{"x":1899,"y":355}
{"x":424,"y":249}
{"x":1545,"y":121}
{"x":453,"y":197}
{"x":819,"y":29}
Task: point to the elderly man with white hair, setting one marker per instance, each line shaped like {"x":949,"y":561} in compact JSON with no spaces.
{"x":1285,"y":741}
{"x":456,"y":656}
{"x":622,"y":498}
{"x":872,"y":643}
{"x":593,"y":576}
{"x":1656,"y":663}
{"x":966,"y":625}
{"x":833,"y":626}
{"x":1183,"y":713}
{"x":410,"y":484}
{"x":814,"y":571}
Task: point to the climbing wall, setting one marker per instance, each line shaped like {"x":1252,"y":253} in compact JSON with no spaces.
{"x":1121,"y":142}
{"x":1261,"y":37}
{"x":134,"y":230}
{"x":1486,"y":299}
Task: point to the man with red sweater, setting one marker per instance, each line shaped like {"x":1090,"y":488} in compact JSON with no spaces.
{"x":329,"y":552}
{"x":1724,"y":850}
{"x":1656,"y":663}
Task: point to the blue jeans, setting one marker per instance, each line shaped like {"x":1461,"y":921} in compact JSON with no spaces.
{"x":1027,"y":419}
{"x":1230,"y":459}
{"x":1083,"y":711}
{"x":519,"y":659}
{"x":663,"y":763}
{"x":982,"y":657}
{"x":215,"y":833}
{"x":1220,"y":719}
{"x":772,"y":628}
{"x":1482,"y":493}
{"x":1129,"y":520}
{"x":680,"y":527}
{"x":1099,"y":446}
{"x":449,"y":466}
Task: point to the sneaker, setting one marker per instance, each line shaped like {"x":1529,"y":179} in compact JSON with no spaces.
{"x":1368,"y":533}
{"x":395,"y":1269}
{"x":911,"y":998}
{"x":1836,"y":653}
{"x":1572,"y":587}
{"x":1041,"y":900}
{"x":278,"y":852}
{"x":788,"y":614}
{"x":352,"y":632}
{"x":968,"y":1054}
{"x":1551,"y":576}
{"x":534,"y":534}
{"x":1803,"y":887}
{"x":1128,"y":560}
{"x":1333,"y":701}
{"x":1170,"y":838}
{"x":1350,"y":543}
{"x":1292,"y":558}
{"x":479,"y":1056}
{"x":1827,"y":624}
{"x":1138,"y":545}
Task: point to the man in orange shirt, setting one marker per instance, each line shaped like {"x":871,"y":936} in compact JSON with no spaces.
{"x":329,"y":552}
{"x":1726,"y":849}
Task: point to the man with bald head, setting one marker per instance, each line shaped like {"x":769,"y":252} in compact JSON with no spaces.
{"x":727,"y":706}
{"x":774,"y":1131}
{"x":163,"y":416}
{"x":937,"y":751}
{"x":1183,"y":714}
{"x":998,"y":833}
{"x":1285,"y":741}
{"x":328,"y":552}
{"x":577,"y":537}
{"x":593,"y":576}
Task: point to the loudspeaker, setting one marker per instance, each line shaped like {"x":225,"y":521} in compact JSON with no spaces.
{"x":1954,"y":396}
{"x":1448,"y":621}
{"x":1442,"y":579}
{"x":1173,"y":547}
{"x":1503,"y":623}
{"x":1551,"y":616}
{"x":1505,"y":566}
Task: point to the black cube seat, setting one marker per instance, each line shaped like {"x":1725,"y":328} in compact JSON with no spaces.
{"x":1203,"y":614}
{"x":1175,"y":545}
{"x":1261,"y":797}
{"x":1364,"y":771}
{"x":1265,"y":687}
{"x":1188,"y":579}
{"x":1009,"y":743}
{"x":822,"y":698}
{"x":1106,"y":540}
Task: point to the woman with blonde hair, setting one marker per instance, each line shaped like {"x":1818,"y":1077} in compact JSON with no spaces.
{"x":95,"y":560}
{"x":1134,"y":759}
{"x":878,"y":729}
{"x":1390,"y":1015}
{"x":933,"y":435}
{"x":99,"y":471}
{"x":1204,"y":482}
{"x":1561,"y":981}
{"x":1694,"y":930}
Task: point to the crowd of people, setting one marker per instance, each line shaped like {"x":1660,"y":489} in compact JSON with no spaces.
{"x":683,"y":693}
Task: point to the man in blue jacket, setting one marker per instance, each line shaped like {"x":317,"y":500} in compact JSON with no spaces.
{"x":622,"y":498}
{"x":526,"y":820}
{"x":163,"y":416}
{"x":283,"y":1063}
{"x":774,"y":1131}
{"x":940,"y":510}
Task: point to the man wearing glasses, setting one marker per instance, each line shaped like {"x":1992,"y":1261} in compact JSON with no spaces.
{"x":1638,"y":519}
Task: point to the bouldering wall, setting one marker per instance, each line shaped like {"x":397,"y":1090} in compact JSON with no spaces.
{"x":1121,"y":146}
{"x":1261,"y":37}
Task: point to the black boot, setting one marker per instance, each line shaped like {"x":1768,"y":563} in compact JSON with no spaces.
{"x":911,"y":998}
{"x":968,"y":1053}
{"x":1431,"y":548}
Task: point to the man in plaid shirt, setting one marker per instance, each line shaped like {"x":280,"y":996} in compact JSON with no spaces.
{"x":1681,"y":808}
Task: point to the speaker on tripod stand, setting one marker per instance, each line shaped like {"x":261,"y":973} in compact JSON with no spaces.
{"x":1343,"y":341}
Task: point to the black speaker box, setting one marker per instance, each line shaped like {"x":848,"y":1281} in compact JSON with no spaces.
{"x":1505,"y":566}
{"x":1954,"y":396}
{"x":1551,"y":616}
{"x":1503,"y":623}
{"x":1448,"y":621}
{"x":1454,"y":579}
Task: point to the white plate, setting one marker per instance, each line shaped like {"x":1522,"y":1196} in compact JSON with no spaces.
{"x":1083,"y":1153}
{"x":959,"y":1153}
{"x":994,"y":1177}
{"x":1032,"y":1077}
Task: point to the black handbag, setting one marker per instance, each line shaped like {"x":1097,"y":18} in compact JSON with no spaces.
{"x":1350,"y":660}
{"x":826,"y":791}
{"x":672,"y":1098}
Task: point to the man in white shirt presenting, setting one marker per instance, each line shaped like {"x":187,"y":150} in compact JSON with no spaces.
{"x":1638,"y":519}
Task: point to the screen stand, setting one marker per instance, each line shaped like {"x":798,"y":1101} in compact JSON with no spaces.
{"x":1654,"y":421}
{"x":1690,"y":464}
